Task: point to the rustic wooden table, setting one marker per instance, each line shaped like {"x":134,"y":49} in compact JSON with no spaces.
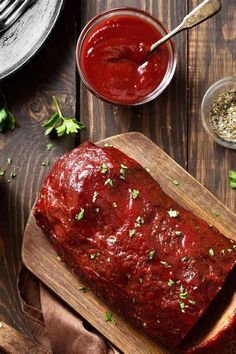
{"x":205,"y":54}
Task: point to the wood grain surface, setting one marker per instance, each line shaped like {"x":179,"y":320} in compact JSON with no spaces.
{"x":212,"y":56}
{"x":205,"y":54}
{"x":40,"y":258}
{"x":29,"y":94}
{"x":15,"y":342}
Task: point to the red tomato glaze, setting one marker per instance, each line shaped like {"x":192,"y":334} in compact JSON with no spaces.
{"x":114,"y":62}
{"x":153,"y":268}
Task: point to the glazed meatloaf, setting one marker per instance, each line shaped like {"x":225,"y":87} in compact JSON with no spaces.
{"x":153,"y":261}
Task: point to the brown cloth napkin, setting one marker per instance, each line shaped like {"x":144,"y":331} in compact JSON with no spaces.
{"x":53,"y":324}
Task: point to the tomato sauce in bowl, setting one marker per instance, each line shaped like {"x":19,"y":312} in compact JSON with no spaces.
{"x":113,"y":60}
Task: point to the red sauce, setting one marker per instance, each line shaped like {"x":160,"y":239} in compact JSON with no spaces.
{"x":114,"y":60}
{"x":127,"y":247}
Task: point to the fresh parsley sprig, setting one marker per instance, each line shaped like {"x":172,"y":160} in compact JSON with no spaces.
{"x":62,"y":125}
{"x":7,"y":120}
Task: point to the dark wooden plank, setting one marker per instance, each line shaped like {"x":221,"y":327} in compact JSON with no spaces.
{"x":163,"y":120}
{"x":40,"y":257}
{"x":211,"y":57}
{"x":28,"y":93}
{"x":15,"y":342}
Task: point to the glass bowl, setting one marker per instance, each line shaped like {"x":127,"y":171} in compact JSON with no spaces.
{"x":127,"y":11}
{"x":222,"y":86}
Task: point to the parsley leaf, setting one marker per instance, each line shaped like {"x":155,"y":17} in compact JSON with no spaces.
{"x":80,"y":215}
{"x":131,"y":233}
{"x":151,"y":255}
{"x":49,"y":146}
{"x":232,"y":179}
{"x":135,"y":193}
{"x":13,"y":174}
{"x":211,"y":252}
{"x":108,"y":317}
{"x":173,"y":213}
{"x":7,"y":120}
{"x":83,"y":289}
{"x":103,"y":168}
{"x":62,"y":125}
{"x":170,"y":282}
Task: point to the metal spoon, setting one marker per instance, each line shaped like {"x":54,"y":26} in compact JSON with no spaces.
{"x":202,"y":12}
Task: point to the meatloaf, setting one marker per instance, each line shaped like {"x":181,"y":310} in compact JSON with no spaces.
{"x":153,"y":261}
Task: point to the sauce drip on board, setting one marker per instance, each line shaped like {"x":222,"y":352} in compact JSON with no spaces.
{"x":115,"y":62}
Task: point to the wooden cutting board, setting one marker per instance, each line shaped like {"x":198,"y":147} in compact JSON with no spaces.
{"x":40,"y":258}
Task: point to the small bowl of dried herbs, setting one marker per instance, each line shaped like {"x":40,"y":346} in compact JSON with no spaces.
{"x":218,"y":112}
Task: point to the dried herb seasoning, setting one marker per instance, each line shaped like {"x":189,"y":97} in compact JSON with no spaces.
{"x":223,"y":116}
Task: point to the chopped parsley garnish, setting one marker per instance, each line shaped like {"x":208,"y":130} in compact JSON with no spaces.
{"x":170,"y":282}
{"x":108,"y":317}
{"x":58,"y":258}
{"x":109,"y":181}
{"x":232,"y":179}
{"x":131,"y":233}
{"x":9,"y":161}
{"x":176,"y":183}
{"x":94,"y":255}
{"x":2,"y":173}
{"x":114,"y":205}
{"x":165,"y":264}
{"x":183,"y":293}
{"x":135,"y":193}
{"x":80,"y":215}
{"x":151,"y":255}
{"x":182,"y":306}
{"x":123,"y":169}
{"x":192,"y":302}
{"x":178,"y":233}
{"x":49,"y":146}
{"x":184,"y":259}
{"x":13,"y":174}
{"x":62,"y":125}
{"x":83,"y":289}
{"x":108,"y":144}
{"x":173,"y":213}
{"x":95,"y":195}
{"x":46,"y":163}
{"x":211,"y":252}
{"x":139,"y":221}
{"x":103,"y":168}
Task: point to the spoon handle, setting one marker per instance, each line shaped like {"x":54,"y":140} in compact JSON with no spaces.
{"x":202,"y":12}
